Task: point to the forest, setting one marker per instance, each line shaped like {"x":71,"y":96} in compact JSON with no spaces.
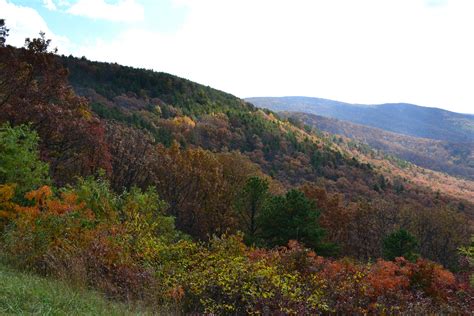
{"x":158,"y":191}
{"x":456,"y":159}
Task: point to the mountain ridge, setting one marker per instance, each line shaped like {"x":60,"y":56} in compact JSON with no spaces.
{"x":403,"y":118}
{"x":453,"y":158}
{"x":331,"y":101}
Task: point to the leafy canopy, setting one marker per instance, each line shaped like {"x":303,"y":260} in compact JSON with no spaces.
{"x":19,"y":159}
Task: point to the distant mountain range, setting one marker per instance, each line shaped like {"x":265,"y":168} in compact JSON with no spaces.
{"x":403,"y":118}
{"x":454,"y":158}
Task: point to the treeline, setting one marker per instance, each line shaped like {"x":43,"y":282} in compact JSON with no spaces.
{"x":290,"y":156}
{"x":131,"y":202}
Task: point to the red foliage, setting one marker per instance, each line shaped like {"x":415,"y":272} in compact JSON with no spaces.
{"x":34,"y":89}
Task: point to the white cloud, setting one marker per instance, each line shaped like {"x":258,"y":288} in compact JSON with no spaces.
{"x":49,"y":4}
{"x":122,"y":11}
{"x":368,"y":51}
{"x":26,"y":22}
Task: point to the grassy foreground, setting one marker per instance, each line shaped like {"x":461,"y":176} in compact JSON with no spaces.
{"x":22,"y":293}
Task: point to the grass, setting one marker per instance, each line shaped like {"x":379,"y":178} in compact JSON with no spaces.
{"x":27,"y":294}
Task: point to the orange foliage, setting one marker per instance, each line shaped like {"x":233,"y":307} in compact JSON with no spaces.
{"x":44,"y":202}
{"x":386,"y":277}
{"x":7,"y":191}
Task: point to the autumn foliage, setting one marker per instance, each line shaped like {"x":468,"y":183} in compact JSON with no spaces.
{"x":135,"y":257}
{"x":34,"y":90}
{"x":189,"y":200}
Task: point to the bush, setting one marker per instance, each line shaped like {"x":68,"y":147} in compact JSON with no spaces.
{"x":126,"y":247}
{"x":19,"y":159}
{"x":67,"y":235}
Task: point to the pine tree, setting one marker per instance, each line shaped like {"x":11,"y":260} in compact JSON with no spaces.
{"x":400,"y":244}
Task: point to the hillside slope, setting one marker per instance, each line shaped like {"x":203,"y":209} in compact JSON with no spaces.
{"x":453,"y":158}
{"x":175,"y":109}
{"x":158,"y":190}
{"x":402,"y":118}
{"x":26,"y":294}
{"x":197,"y":146}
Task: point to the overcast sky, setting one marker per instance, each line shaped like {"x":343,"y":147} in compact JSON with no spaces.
{"x":358,"y":51}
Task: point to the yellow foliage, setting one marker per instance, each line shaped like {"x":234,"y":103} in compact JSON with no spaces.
{"x":185,"y":121}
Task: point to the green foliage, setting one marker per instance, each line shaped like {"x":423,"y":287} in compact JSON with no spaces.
{"x":250,"y":204}
{"x":133,"y":207}
{"x":143,"y":215}
{"x":19,"y":159}
{"x":113,"y":80}
{"x":403,"y":164}
{"x":292,"y":217}
{"x":400,"y":244}
{"x":98,"y":196}
{"x":136,"y":120}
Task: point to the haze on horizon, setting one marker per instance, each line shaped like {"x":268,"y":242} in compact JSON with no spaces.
{"x":367,"y":51}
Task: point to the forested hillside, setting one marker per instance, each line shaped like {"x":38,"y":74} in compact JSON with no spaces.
{"x":402,"y":118}
{"x":453,"y":158}
{"x":157,"y":190}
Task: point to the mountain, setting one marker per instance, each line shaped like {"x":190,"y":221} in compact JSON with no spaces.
{"x":402,"y":118}
{"x":137,"y":109}
{"x":154,"y":189}
{"x":453,"y":158}
{"x":174,"y":109}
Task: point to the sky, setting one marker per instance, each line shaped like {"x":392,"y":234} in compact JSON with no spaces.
{"x":364,"y":51}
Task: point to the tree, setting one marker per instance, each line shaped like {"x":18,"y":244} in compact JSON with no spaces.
{"x":3,"y":32}
{"x":400,"y":244}
{"x":194,"y":184}
{"x":440,"y":231}
{"x":34,"y":90}
{"x":292,"y":217}
{"x":19,"y":159}
{"x":250,"y":204}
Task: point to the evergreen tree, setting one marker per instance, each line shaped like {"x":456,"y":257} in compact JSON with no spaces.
{"x":250,"y":204}
{"x":292,"y":217}
{"x":400,"y":244}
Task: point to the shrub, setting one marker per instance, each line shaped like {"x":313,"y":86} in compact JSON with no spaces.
{"x":19,"y":159}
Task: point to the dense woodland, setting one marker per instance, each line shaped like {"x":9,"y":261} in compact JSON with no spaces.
{"x":453,"y":158}
{"x":158,"y":190}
